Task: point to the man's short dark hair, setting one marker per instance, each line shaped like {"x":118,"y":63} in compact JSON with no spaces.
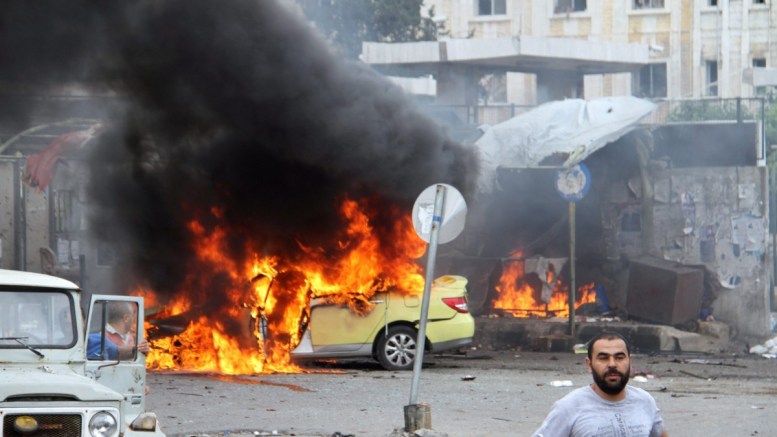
{"x":607,"y":335}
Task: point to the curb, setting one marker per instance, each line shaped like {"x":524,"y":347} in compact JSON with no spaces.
{"x":551,"y":335}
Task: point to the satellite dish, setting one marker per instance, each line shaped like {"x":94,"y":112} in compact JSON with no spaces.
{"x":454,"y":213}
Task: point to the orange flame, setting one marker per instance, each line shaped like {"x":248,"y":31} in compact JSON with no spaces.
{"x":517,"y":297}
{"x":266,"y":299}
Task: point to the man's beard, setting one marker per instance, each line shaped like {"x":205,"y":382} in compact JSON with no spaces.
{"x":608,"y":387}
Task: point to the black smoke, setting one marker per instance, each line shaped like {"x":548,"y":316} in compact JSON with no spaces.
{"x":235,"y":112}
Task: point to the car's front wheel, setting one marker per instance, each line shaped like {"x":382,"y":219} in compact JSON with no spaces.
{"x":397,"y":350}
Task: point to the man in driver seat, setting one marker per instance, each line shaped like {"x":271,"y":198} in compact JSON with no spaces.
{"x":119,"y":338}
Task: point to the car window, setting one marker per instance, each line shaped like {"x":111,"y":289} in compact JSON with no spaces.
{"x":113,"y":331}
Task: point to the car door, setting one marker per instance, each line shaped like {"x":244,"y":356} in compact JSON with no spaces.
{"x":126,"y":375}
{"x":336,"y":328}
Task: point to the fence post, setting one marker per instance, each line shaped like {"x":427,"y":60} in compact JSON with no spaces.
{"x":739,"y":110}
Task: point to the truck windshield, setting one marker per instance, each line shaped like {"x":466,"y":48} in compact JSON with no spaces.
{"x":37,"y":318}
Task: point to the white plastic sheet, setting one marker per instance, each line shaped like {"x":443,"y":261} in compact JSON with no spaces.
{"x":572,"y":128}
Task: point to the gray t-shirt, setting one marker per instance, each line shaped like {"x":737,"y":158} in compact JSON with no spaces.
{"x":583,"y":413}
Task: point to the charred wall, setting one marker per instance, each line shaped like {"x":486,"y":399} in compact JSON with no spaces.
{"x":709,"y":210}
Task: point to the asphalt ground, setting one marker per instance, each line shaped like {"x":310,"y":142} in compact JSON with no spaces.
{"x":476,"y":393}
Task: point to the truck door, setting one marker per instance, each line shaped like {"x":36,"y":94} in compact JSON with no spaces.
{"x":114,"y":329}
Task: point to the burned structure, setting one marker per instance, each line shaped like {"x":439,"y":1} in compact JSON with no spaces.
{"x":179,"y":196}
{"x":674,"y":228}
{"x":685,"y":195}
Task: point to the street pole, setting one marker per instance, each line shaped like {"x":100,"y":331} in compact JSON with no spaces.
{"x":20,"y":218}
{"x":572,"y":290}
{"x":419,"y":416}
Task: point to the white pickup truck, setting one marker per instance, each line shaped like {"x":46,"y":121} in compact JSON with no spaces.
{"x":48,"y":385}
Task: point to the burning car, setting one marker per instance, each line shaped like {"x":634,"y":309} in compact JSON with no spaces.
{"x":388,"y":332}
{"x":48,"y":387}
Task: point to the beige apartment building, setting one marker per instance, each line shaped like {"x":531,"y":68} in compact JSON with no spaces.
{"x":695,"y":48}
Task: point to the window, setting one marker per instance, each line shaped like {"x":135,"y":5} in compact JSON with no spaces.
{"x":492,"y":7}
{"x":712,"y":78}
{"x":712,"y":2}
{"x":759,"y":63}
{"x":65,"y":220}
{"x":113,"y":331}
{"x":648,"y":4}
{"x":652,"y":80}
{"x":759,"y":2}
{"x":492,"y":88}
{"x":566,"y":6}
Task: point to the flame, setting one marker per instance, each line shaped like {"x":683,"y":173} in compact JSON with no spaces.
{"x":265,"y":302}
{"x":519,"y":298}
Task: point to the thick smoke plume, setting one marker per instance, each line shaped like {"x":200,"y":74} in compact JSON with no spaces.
{"x":235,"y":112}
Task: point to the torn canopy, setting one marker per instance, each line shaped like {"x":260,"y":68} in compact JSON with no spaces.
{"x":570,"y":130}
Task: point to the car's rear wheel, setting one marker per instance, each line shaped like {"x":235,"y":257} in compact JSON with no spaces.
{"x":397,"y":350}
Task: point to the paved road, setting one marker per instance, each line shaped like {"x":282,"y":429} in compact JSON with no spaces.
{"x":700,"y":395}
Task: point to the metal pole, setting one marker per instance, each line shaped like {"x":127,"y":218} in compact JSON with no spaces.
{"x":82,"y":272}
{"x":772,"y":293}
{"x":20,"y":219}
{"x":439,"y":201}
{"x":572,"y":286}
{"x":763,"y":131}
{"x":739,"y":110}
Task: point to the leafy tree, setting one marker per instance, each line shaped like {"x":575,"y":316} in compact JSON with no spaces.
{"x":708,"y":110}
{"x":701,"y":110}
{"x":347,"y":23}
{"x":770,"y":117}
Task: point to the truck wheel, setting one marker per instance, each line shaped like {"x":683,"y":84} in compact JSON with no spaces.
{"x":397,"y":350}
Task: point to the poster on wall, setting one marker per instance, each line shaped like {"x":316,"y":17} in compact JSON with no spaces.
{"x":747,"y":232}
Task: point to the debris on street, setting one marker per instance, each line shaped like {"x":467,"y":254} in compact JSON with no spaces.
{"x":767,"y":350}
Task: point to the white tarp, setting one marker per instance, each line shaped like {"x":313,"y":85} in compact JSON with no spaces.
{"x":572,"y":129}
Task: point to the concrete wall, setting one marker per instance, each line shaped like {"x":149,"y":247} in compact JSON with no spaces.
{"x":37,"y":223}
{"x":723,"y":224}
{"x":35,"y":216}
{"x":55,"y":219}
{"x":7,"y":250}
{"x":710,"y":216}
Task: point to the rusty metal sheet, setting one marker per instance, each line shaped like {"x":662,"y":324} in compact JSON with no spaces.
{"x":664,"y":292}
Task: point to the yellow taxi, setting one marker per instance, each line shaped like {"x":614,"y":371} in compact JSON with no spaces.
{"x":389,"y":332}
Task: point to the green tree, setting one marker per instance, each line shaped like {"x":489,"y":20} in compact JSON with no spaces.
{"x":347,"y":23}
{"x":708,"y":110}
{"x":770,"y":118}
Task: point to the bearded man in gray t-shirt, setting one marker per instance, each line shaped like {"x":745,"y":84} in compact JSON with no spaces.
{"x":608,"y":407}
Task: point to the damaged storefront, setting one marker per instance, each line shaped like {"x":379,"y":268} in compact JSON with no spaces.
{"x":673,"y":228}
{"x":673,"y":231}
{"x":43,"y":219}
{"x":702,"y":221}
